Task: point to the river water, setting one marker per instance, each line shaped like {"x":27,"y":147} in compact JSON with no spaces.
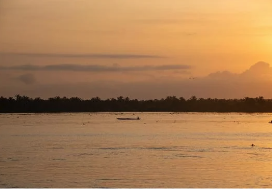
{"x":94,"y":150}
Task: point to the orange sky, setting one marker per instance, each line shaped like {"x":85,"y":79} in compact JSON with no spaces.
{"x":206,"y":35}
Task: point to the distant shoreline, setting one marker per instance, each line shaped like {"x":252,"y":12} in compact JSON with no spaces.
{"x":24,"y":104}
{"x":118,"y":113}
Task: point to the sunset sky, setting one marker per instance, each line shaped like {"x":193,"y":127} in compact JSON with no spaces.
{"x":138,"y":48}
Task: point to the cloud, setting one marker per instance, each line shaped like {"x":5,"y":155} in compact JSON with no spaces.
{"x":162,"y":21}
{"x":222,"y":75}
{"x":94,"y":68}
{"x":224,"y":84}
{"x":144,"y":90}
{"x":91,"y":56}
{"x":259,"y":71}
{"x":187,"y":19}
{"x":27,"y":78}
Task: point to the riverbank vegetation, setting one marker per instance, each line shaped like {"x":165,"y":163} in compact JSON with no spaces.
{"x":24,"y":104}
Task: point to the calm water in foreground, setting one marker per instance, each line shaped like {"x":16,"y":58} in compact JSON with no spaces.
{"x":160,"y":150}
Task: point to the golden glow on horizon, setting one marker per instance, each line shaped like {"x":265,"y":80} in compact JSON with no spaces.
{"x":237,"y":31}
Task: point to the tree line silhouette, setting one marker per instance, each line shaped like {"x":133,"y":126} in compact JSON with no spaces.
{"x":24,"y":104}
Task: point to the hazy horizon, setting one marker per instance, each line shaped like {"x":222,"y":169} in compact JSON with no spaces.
{"x":140,"y":49}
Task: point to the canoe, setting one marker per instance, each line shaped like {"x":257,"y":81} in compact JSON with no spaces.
{"x":127,"y":118}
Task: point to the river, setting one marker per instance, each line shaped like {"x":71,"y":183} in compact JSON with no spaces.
{"x":95,"y":150}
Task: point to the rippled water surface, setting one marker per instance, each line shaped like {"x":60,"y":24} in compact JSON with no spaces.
{"x":160,"y":150}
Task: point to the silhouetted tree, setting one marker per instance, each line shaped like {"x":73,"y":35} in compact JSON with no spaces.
{"x":170,"y":103}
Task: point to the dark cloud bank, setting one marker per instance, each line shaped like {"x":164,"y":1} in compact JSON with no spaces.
{"x":27,"y":78}
{"x":92,"y":68}
{"x":91,"y":56}
{"x":254,"y":82}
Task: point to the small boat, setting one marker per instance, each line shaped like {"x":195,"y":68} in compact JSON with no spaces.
{"x":128,"y":118}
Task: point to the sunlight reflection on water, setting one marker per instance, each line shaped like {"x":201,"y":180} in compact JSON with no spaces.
{"x":160,"y":150}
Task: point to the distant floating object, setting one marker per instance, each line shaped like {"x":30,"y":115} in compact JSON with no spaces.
{"x":252,"y":145}
{"x":270,"y":121}
{"x":128,"y":118}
